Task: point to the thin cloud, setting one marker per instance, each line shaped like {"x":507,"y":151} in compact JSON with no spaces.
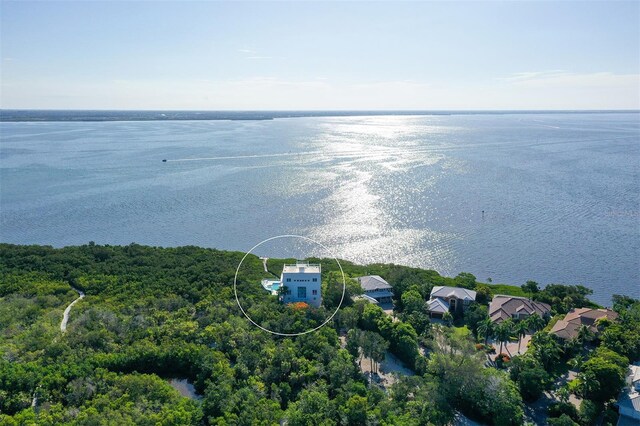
{"x":524,"y":76}
{"x":565,"y":79}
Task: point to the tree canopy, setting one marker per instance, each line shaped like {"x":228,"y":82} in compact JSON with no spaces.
{"x":154,"y":314}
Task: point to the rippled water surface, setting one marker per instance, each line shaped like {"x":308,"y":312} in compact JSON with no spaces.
{"x":560,"y":192}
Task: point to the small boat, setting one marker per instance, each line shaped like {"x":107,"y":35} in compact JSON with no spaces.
{"x":164,"y":161}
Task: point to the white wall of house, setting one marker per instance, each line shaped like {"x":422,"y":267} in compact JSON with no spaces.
{"x":303,"y":284}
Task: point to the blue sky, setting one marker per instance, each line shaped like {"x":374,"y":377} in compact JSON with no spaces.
{"x":320,"y":55}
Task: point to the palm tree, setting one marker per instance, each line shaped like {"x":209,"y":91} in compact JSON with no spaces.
{"x":447,"y":318}
{"x":576,"y":362}
{"x":602,"y":324}
{"x":354,"y":340}
{"x":379,"y":350}
{"x":535,"y":322}
{"x":563,"y":394}
{"x":547,"y":349}
{"x":282,"y":292}
{"x":367,"y":344}
{"x":521,"y":328}
{"x":486,"y":329}
{"x":503,"y":333}
{"x":584,"y":335}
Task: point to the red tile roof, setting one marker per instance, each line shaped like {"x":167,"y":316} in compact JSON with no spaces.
{"x":569,"y":326}
{"x":503,"y":307}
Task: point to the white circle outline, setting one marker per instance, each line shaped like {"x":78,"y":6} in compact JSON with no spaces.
{"x":235,"y":290}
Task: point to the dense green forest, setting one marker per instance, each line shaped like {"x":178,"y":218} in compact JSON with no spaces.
{"x":153,"y":314}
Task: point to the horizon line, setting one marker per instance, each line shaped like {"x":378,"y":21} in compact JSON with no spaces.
{"x":331,"y":110}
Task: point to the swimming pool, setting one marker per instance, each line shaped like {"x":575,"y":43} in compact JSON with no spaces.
{"x":271,"y":285}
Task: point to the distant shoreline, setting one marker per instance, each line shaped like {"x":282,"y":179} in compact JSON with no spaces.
{"x":350,"y":267}
{"x":38,"y":115}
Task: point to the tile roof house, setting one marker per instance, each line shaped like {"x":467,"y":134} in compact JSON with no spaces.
{"x":503,"y":307}
{"x":376,"y":287}
{"x":449,"y":299}
{"x":569,"y":327}
{"x":629,"y":402}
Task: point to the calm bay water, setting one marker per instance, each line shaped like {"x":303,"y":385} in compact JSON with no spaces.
{"x":560,"y":192}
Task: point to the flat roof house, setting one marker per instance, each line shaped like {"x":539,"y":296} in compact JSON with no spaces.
{"x":517,"y":308}
{"x":303,"y":283}
{"x":375,"y":287}
{"x":449,"y":299}
{"x":569,"y":327}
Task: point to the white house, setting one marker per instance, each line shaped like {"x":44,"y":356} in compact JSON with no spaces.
{"x":303,"y":283}
{"x":629,"y":402}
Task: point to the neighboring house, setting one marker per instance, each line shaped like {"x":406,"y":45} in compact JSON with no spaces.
{"x":629,"y":401}
{"x":634,"y":377}
{"x":365,"y":298}
{"x":437,"y":307}
{"x":377,"y":288}
{"x":517,"y":308}
{"x":302,"y":283}
{"x":449,"y":299}
{"x":569,"y":327}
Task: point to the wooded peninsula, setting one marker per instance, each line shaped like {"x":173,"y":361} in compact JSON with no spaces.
{"x":151,"y":314}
